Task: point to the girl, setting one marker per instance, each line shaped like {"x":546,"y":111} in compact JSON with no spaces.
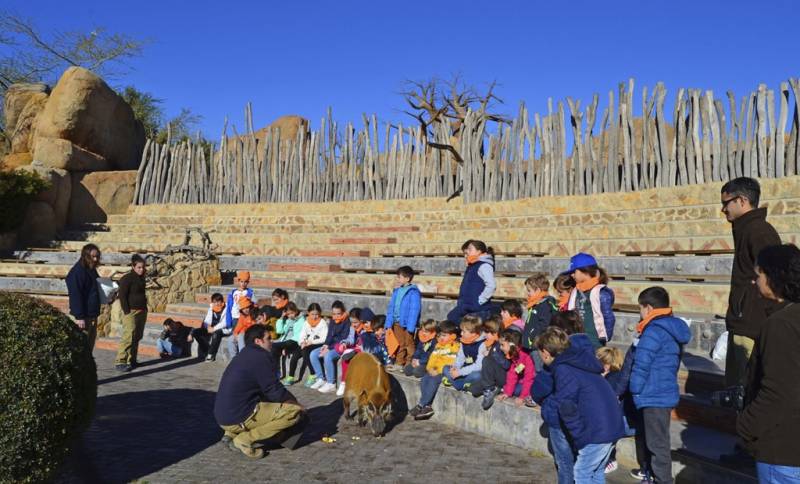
{"x":478,"y":284}
{"x":564,"y":284}
{"x":593,"y":300}
{"x":369,"y":339}
{"x":522,"y":371}
{"x":243,"y":322}
{"x":312,"y":336}
{"x":287,"y":346}
{"x":338,"y":331}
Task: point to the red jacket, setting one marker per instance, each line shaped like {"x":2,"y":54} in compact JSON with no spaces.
{"x":522,"y":371}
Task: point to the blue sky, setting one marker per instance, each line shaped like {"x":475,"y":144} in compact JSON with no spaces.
{"x":301,"y":57}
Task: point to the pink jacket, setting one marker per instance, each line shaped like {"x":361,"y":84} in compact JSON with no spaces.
{"x":524,"y":375}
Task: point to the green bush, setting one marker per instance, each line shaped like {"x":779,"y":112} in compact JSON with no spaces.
{"x":48,"y":387}
{"x":17,"y":189}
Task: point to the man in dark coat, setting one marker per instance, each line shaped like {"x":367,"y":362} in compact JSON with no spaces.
{"x":84,"y":294}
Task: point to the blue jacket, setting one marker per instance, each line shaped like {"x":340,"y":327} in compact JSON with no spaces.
{"x":537,"y":320}
{"x":654,"y":377}
{"x":473,"y":286}
{"x":423,"y":351}
{"x":229,"y":305}
{"x":338,"y":332}
{"x":84,"y":295}
{"x":410,"y":307}
{"x":543,"y":384}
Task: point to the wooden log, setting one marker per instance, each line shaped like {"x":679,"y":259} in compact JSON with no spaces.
{"x":697,"y":147}
{"x":722,"y":127}
{"x":612,"y":167}
{"x":591,"y":163}
{"x":716,"y":149}
{"x":771,"y":135}
{"x":705,"y":107}
{"x":794,"y":145}
{"x":665,"y":160}
{"x":781,"y":167}
{"x":761,"y":128}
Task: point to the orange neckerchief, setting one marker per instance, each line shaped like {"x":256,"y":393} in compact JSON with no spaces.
{"x":244,"y":323}
{"x":471,"y":339}
{"x":563,"y":300}
{"x":588,"y":284}
{"x":425,"y":336}
{"x":471,"y":259}
{"x":508,"y":321}
{"x":536,"y":298}
{"x":313,"y":321}
{"x":282,"y":304}
{"x":491,"y":339}
{"x":448,"y":338}
{"x":338,"y":320}
{"x":217,"y":307}
{"x":358,"y":327}
{"x":653,"y":314}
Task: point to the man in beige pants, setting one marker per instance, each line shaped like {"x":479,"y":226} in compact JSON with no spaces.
{"x":133,"y":301}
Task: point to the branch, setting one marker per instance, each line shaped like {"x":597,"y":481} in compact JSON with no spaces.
{"x":450,"y":148}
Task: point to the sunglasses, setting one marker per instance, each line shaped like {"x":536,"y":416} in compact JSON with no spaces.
{"x":726,"y":202}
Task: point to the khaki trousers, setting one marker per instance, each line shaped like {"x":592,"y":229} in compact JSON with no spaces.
{"x":405,"y":345}
{"x":266,"y":421}
{"x":739,"y":350}
{"x":132,"y":332}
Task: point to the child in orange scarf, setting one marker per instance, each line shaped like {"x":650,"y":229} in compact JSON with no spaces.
{"x":426,"y":341}
{"x":445,"y":353}
{"x":592,"y":298}
{"x":245,"y":321}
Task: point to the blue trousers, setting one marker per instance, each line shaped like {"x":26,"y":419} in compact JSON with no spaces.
{"x":165,"y":346}
{"x":775,"y":474}
{"x":429,"y":385}
{"x":483,"y":310}
{"x":459,"y":382}
{"x":590,"y":465}
{"x":563,"y":455}
{"x":330,"y":364}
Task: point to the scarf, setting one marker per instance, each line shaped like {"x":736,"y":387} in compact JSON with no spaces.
{"x":508,"y":321}
{"x":313,"y":321}
{"x":653,"y":314}
{"x":425,"y":336}
{"x":563,"y":300}
{"x":471,"y":259}
{"x":588,"y":284}
{"x":536,"y":298}
{"x":469,"y":339}
{"x":491,"y":339}
{"x":217,"y":307}
{"x":339,"y":319}
{"x":447,"y":339}
{"x":281,"y":304}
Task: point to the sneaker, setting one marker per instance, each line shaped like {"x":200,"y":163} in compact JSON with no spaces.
{"x":226,"y":439}
{"x":249,"y":452}
{"x":424,"y":412}
{"x":289,"y":381}
{"x":340,"y":390}
{"x":415,"y":411}
{"x":611,"y":466}
{"x":210,"y":358}
{"x":528,"y":401}
{"x":488,"y":398}
{"x":310,"y":381}
{"x":317,"y":384}
{"x":327,"y":388}
{"x":639,"y":474}
{"x":122,"y":368}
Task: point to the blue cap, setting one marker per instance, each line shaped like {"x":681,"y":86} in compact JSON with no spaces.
{"x":579,"y":261}
{"x":367,"y":315}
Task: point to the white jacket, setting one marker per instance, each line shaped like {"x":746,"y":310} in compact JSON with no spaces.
{"x":223,"y":322}
{"x":315,"y":335}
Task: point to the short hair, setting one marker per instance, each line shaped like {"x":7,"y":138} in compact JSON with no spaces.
{"x":781,"y":266}
{"x":292,"y":307}
{"x":217,"y":297}
{"x":338,"y":305}
{"x":355,"y":313}
{"x":137,"y":259}
{"x":379,"y":321}
{"x":513,"y":307}
{"x":568,"y":321}
{"x":553,"y":340}
{"x":655,"y":296}
{"x":428,"y":325}
{"x":255,"y":332}
{"x":492,"y":324}
{"x":744,"y":187}
{"x":538,"y":280}
{"x":471,"y":323}
{"x":281,"y":293}
{"x":406,"y":271}
{"x":447,"y":327}
{"x":608,"y":355}
{"x":312,"y":307}
{"x":564,"y":282}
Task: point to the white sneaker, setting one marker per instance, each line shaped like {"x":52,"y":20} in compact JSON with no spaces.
{"x":317,"y":384}
{"x":340,"y":390}
{"x":327,"y":388}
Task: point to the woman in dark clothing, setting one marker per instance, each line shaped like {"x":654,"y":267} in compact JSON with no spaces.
{"x":133,"y":300}
{"x":84,"y":295}
{"x":770,"y":422}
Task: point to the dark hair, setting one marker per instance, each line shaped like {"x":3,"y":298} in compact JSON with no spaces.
{"x":379,"y":321}
{"x":744,"y":187}
{"x":514,"y":338}
{"x":781,"y":265}
{"x":569,"y":321}
{"x":86,"y":254}
{"x":338,"y":305}
{"x":406,"y":271}
{"x":312,"y":307}
{"x":217,"y":297}
{"x":255,"y":332}
{"x":513,"y":307}
{"x":137,"y":259}
{"x":447,"y":327}
{"x":281,"y":293}
{"x":355,"y":313}
{"x":291,"y":306}
{"x":655,"y":296}
{"x":169,"y":322}
{"x":479,"y":245}
{"x":596,"y":271}
{"x":564,"y":282}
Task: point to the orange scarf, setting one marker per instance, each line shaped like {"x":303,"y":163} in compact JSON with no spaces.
{"x":425,"y":336}
{"x":653,"y":314}
{"x":339,"y":319}
{"x":244,"y":324}
{"x":491,"y":339}
{"x":313,"y":321}
{"x":508,"y":321}
{"x":563,"y":300}
{"x":588,"y":284}
{"x":469,"y":339}
{"x":536,"y":298}
{"x":282,"y":304}
{"x":448,"y":338}
{"x":471,"y":259}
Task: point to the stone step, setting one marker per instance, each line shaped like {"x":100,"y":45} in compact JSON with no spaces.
{"x":188,"y":319}
{"x":34,"y":285}
{"x":22,"y":269}
{"x":70,"y":257}
{"x":273,"y":268}
{"x":112,"y":344}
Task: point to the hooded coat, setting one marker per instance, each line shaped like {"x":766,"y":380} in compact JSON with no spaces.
{"x":654,"y":376}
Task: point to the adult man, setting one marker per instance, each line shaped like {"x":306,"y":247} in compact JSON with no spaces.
{"x":252,"y":405}
{"x":133,"y":301}
{"x":747,"y":310}
{"x":84,"y":295}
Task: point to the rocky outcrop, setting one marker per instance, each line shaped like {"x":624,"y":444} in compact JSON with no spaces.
{"x":58,"y":195}
{"x":96,"y":195}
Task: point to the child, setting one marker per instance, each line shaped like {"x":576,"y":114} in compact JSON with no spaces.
{"x":402,"y":314}
{"x":563,"y":284}
{"x":478,"y":284}
{"x":425,"y":343}
{"x":494,"y":365}
{"x":288,"y":328}
{"x":612,"y":361}
{"x":232,"y":308}
{"x":593,"y":300}
{"x":368,"y":340}
{"x":262,"y":317}
{"x":569,"y":321}
{"x":216,"y":326}
{"x":541,"y":307}
{"x":467,"y":368}
{"x":339,"y":330}
{"x":173,"y":339}
{"x":654,"y":376}
{"x":443,"y":354}
{"x":583,"y":401}
{"x":244,"y":321}
{"x":511,"y":312}
{"x":520,"y":374}
{"x":312,"y":336}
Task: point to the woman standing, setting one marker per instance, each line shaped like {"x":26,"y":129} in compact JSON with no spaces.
{"x":84,"y":295}
{"x":133,"y":300}
{"x":770,"y":422}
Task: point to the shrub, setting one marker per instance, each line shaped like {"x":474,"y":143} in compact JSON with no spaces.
{"x":17,"y":189}
{"x":48,"y":387}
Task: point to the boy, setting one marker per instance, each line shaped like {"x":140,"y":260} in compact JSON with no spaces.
{"x":654,"y":377}
{"x":425,"y":343}
{"x":216,"y":326}
{"x":467,"y":368}
{"x":402,"y":315}
{"x":173,"y":339}
{"x":444,"y":354}
{"x":494,"y":365}
{"x":511,"y":312}
{"x":232,"y":306}
{"x":583,"y":401}
{"x":541,"y":307}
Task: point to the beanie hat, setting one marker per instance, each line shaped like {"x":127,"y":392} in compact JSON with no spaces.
{"x":243,"y":275}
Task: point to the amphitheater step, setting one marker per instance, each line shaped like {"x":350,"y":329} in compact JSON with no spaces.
{"x":395,"y":229}
{"x":363,"y":240}
{"x":333,"y":253}
{"x":31,"y":285}
{"x":273,"y":267}
{"x":23,"y":269}
{"x":112,"y":344}
{"x":274,"y":282}
{"x":191,"y":320}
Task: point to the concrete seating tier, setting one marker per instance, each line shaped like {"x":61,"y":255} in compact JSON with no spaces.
{"x":22,"y":269}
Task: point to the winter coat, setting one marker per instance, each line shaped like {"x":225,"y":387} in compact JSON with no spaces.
{"x":654,"y":376}
{"x":423,"y":351}
{"x":469,"y":358}
{"x":543,"y":385}
{"x":223,"y":323}
{"x":537,"y":320}
{"x":283,"y":326}
{"x":233,"y":301}
{"x":410,"y":306}
{"x":131,"y":293}
{"x":596,"y":307}
{"x":478,"y":284}
{"x":338,"y":332}
{"x":84,"y":295}
{"x":443,"y":355}
{"x":524,"y":375}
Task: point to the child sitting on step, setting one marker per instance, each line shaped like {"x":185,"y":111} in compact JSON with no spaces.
{"x":494,"y":364}
{"x":174,"y":339}
{"x":444,"y":353}
{"x":467,"y":368}
{"x":287,"y":344}
{"x":216,"y":326}
{"x":511,"y":312}
{"x":520,"y":374}
{"x":426,"y":341}
{"x":338,"y":331}
{"x":370,"y":339}
{"x":592,"y":298}
{"x":478,"y":284}
{"x":312,"y":336}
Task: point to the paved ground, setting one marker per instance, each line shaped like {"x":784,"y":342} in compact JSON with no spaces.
{"x":156,"y":425}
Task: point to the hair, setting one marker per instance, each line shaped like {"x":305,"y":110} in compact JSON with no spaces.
{"x":564,"y":282}
{"x":553,"y":340}
{"x":596,"y":271}
{"x":428,"y":325}
{"x":137,"y":259}
{"x":514,"y":338}
{"x":781,"y":266}
{"x":406,"y":271}
{"x":355,"y":313}
{"x":255,"y":311}
{"x":655,"y":296}
{"x":281,"y":293}
{"x":568,"y":321}
{"x":217,"y":297}
{"x":311,"y":307}
{"x":492,"y":324}
{"x":513,"y":307}
{"x":379,"y":321}
{"x":254,"y":332}
{"x":447,"y":327}
{"x":608,"y":355}
{"x":86,"y":254}
{"x":744,"y":187}
{"x":538,"y":280}
{"x":291,"y":307}
{"x":340,"y":306}
{"x":169,"y":322}
{"x":471,"y":323}
{"x":479,"y":245}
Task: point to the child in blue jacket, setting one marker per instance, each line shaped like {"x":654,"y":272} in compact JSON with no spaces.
{"x":402,"y":314}
{"x":426,"y":342}
{"x":654,"y":376}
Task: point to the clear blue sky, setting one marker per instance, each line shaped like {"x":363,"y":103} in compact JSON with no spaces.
{"x":300,"y":57}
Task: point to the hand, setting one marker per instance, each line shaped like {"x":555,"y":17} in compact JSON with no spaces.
{"x":414,"y":363}
{"x":81,"y":323}
{"x":518,"y":402}
{"x":501,"y":397}
{"x":323,"y":350}
{"x":453,"y":373}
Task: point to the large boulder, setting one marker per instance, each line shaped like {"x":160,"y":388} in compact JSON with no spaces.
{"x":17,"y":97}
{"x":21,"y":136}
{"x":22,"y":103}
{"x":288,"y":125}
{"x":58,"y":195}
{"x":85,"y":125}
{"x":97,"y":195}
{"x":39,"y":226}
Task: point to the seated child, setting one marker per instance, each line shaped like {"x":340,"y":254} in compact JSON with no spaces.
{"x":541,"y":307}
{"x":216,"y":326}
{"x":280,"y":298}
{"x":443,"y":354}
{"x":520,"y":374}
{"x":262,"y":317}
{"x":312,"y":336}
{"x":494,"y":365}
{"x":286,"y":345}
{"x":426,"y":336}
{"x":467,"y":368}
{"x":563,"y":284}
{"x":511,"y":312}
{"x":244,"y":321}
{"x":174,"y":338}
{"x":339,"y":330}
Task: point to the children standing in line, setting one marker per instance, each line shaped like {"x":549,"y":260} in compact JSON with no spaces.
{"x":592,"y":298}
{"x":495,"y":365}
{"x":216,"y":326}
{"x":467,"y":368}
{"x":540,"y":309}
{"x":511,"y":312}
{"x":478,"y":284}
{"x":288,"y":327}
{"x":339,"y":330}
{"x":402,"y":314}
{"x":426,"y":341}
{"x":444,"y":354}
{"x":312,"y":337}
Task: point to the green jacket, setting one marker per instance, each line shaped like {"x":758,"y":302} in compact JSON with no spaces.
{"x":283,"y":327}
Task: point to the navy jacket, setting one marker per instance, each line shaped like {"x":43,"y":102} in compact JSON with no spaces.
{"x":654,"y":377}
{"x":471,"y":285}
{"x":423,"y":351}
{"x":499,"y":357}
{"x":337,"y":332}
{"x":619,"y":380}
{"x":84,"y":295}
{"x":543,"y":385}
{"x":251,"y":377}
{"x":538,"y":320}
